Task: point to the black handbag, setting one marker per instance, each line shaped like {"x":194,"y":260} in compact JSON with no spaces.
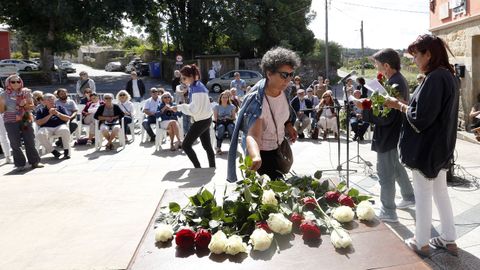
{"x":283,"y":155}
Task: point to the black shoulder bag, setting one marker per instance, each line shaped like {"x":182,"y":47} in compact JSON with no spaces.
{"x":283,"y":155}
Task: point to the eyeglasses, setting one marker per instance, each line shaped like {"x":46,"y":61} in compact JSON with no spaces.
{"x":166,"y":97}
{"x":122,"y":95}
{"x":14,"y":82}
{"x":285,"y":74}
{"x":107,"y":98}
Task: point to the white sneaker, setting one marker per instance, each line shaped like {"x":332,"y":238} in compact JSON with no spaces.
{"x":386,"y":218}
{"x":405,"y":204}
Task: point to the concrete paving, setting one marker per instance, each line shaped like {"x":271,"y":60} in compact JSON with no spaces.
{"x":90,"y":212}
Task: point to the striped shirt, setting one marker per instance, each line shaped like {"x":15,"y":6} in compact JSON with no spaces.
{"x":12,"y":102}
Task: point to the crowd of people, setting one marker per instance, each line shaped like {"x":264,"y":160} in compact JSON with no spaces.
{"x":279,"y":109}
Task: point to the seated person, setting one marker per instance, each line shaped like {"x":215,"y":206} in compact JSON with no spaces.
{"x":123,"y":98}
{"x":70,"y":107}
{"x":109,"y":115}
{"x":475,"y":115}
{"x":150,"y":109}
{"x":52,"y":122}
{"x":302,"y":107}
{"x":169,"y":120}
{"x":328,"y":117}
{"x":88,"y":113}
{"x":86,"y":96}
{"x":224,"y":117}
{"x":358,"y":126}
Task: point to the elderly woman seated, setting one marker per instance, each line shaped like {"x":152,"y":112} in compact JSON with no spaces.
{"x":88,"y":113}
{"x":123,"y":98}
{"x":109,"y":115}
{"x":328,"y":117}
{"x":224,"y":117}
{"x":169,"y":120}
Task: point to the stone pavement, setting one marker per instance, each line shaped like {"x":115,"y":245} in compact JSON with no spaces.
{"x":90,"y":212}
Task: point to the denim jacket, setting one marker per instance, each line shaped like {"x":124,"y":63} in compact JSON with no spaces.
{"x":250,"y":111}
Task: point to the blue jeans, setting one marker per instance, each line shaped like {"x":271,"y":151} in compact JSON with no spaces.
{"x":186,"y":124}
{"x":390,"y":170}
{"x":127,"y":120}
{"x":220,"y":132}
{"x":151,"y":119}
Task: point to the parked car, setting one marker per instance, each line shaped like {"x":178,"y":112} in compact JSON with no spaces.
{"x":142,"y":69}
{"x":114,"y":66}
{"x":217,"y":85}
{"x":67,"y":66}
{"x":20,"y":64}
{"x":131,"y":66}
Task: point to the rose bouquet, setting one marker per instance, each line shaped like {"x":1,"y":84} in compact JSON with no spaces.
{"x":258,"y":210}
{"x":376,"y":101}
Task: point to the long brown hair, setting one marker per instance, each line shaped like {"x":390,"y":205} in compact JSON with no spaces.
{"x":438,"y":51}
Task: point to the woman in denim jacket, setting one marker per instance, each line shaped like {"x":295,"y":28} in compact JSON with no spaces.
{"x":266,"y":116}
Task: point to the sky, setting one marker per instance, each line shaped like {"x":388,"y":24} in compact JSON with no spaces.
{"x":385,"y":26}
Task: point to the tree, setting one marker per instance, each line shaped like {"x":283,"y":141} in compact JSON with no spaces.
{"x":334,"y":53}
{"x":59,"y":26}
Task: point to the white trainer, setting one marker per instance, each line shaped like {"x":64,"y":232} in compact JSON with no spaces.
{"x":405,"y":204}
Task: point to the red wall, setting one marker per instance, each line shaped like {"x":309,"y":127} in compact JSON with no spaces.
{"x":473,"y":8}
{"x":4,"y":45}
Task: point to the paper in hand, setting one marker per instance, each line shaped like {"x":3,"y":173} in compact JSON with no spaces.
{"x":375,"y":86}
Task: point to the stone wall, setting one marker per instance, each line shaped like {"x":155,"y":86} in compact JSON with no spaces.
{"x":464,"y":42}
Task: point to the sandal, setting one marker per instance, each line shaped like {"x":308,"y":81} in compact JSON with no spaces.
{"x":450,"y":246}
{"x":412,"y":244}
{"x":172,"y":147}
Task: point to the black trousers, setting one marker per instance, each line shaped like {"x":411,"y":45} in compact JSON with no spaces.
{"x":269,"y":165}
{"x":199,"y":129}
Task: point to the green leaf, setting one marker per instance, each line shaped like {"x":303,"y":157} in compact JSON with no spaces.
{"x":254,"y":217}
{"x":207,"y":196}
{"x":196,"y":200}
{"x":247,"y":194}
{"x":342,"y":186}
{"x":362,"y":198}
{"x":174,"y":207}
{"x":318,"y":174}
{"x":353,"y":193}
{"x":217,"y":213}
{"x":248,"y":161}
{"x":266,"y":209}
{"x":278,"y":186}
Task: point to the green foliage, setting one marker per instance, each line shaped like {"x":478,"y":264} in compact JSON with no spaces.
{"x":130,"y":42}
{"x":17,"y":55}
{"x":334,"y":52}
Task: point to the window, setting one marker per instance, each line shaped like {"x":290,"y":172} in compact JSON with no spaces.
{"x":245,"y":75}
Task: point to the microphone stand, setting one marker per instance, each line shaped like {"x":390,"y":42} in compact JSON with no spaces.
{"x":337,"y":105}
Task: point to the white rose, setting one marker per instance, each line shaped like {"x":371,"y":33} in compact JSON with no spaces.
{"x":266,"y":178}
{"x":218,"y":243}
{"x":343,"y":214}
{"x":163,"y":233}
{"x":235,"y":245}
{"x":279,"y":224}
{"x":365,"y":211}
{"x":309,"y":216}
{"x":340,"y":238}
{"x":268,"y":197}
{"x":261,"y":240}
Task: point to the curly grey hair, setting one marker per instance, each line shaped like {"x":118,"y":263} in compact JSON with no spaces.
{"x":277,"y":57}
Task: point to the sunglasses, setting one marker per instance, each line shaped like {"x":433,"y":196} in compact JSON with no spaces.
{"x":107,"y":98}
{"x":285,"y":75}
{"x":166,"y":97}
{"x":14,"y":82}
{"x":122,"y":95}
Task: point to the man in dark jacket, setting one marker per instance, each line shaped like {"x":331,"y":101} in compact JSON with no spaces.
{"x":303,"y":107}
{"x":135,"y":87}
{"x":385,"y":140}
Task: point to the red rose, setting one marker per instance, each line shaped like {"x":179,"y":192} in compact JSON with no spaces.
{"x":296,"y":219}
{"x":202,"y":239}
{"x":366,"y":104}
{"x":346,"y":200}
{"x":264,"y":225}
{"x":332,"y":196}
{"x":310,"y":203}
{"x":185,"y":238}
{"x":309,"y":230}
{"x":380,"y":77}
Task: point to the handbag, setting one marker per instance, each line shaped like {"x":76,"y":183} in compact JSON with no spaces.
{"x":283,"y":154}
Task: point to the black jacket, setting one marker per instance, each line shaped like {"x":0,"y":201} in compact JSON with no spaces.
{"x":117,"y":111}
{"x":296,"y":105}
{"x":387,"y":129}
{"x":427,"y":141}
{"x":141,"y":87}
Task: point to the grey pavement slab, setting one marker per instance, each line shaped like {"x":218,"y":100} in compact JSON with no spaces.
{"x":91,"y":211}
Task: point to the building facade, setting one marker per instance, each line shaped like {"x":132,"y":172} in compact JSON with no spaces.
{"x":4,"y":44}
{"x":458,"y":23}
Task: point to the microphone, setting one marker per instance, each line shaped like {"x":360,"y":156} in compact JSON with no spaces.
{"x":344,"y":79}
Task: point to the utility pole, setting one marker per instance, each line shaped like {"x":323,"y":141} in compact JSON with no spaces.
{"x":326,"y":39}
{"x":363,"y":49}
{"x":160,"y":43}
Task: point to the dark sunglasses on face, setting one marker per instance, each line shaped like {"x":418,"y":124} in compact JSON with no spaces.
{"x":285,"y":74}
{"x":107,"y":98}
{"x":122,"y":95}
{"x":14,"y":82}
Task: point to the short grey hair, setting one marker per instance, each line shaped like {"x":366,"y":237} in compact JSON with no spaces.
{"x":277,"y":57}
{"x":108,"y":95}
{"x":49,"y":96}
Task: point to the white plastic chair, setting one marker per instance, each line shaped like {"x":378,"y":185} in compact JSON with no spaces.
{"x":160,"y":136}
{"x":38,"y":146}
{"x":99,"y":136}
